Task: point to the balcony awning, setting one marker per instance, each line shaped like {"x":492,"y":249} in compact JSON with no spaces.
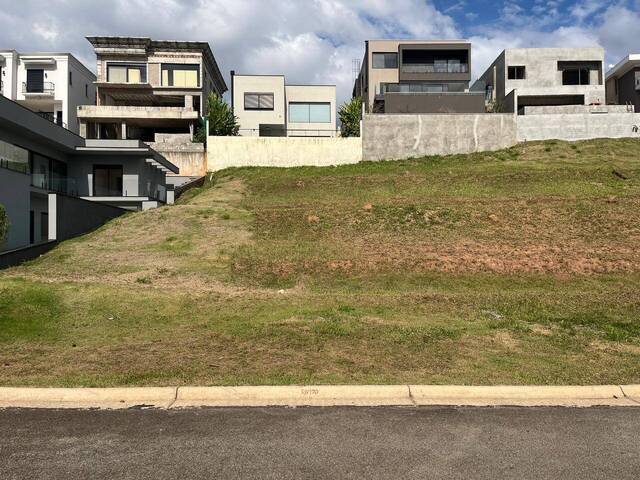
{"x":38,"y":61}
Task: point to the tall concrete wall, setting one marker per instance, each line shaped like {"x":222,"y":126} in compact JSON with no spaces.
{"x":189,"y":157}
{"x":577,"y":126}
{"x":71,"y":216}
{"x":223,"y":152}
{"x":394,"y":137}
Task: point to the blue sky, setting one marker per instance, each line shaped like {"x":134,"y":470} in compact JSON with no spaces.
{"x":316,"y":40}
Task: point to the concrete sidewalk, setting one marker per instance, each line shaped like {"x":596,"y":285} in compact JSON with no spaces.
{"x":320,"y":396}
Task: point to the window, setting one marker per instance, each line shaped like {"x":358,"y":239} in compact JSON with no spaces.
{"x":35,"y":80}
{"x":575,"y":76}
{"x":107,"y":180}
{"x":258,"y":101}
{"x":516,"y":73}
{"x":126,"y":73}
{"x":175,"y":75}
{"x":309,"y":113}
{"x":14,"y":158}
{"x":385,"y":60}
{"x":70,"y":79}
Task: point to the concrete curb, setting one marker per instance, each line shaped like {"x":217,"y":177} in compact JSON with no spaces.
{"x":320,"y":396}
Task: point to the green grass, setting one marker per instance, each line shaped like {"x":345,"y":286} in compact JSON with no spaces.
{"x":513,"y":267}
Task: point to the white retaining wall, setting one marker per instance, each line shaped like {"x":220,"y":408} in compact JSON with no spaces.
{"x":396,"y":137}
{"x":224,"y":152}
{"x":575,"y":126}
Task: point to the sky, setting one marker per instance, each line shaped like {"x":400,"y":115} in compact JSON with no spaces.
{"x":316,"y":41}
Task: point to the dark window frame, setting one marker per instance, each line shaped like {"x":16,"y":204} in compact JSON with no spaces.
{"x":107,"y":167}
{"x":171,"y":67}
{"x":516,"y":72}
{"x":386,"y":56}
{"x":260,"y":95}
{"x":142,"y":66}
{"x":580,"y":71}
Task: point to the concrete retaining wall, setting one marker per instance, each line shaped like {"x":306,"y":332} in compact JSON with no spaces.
{"x":560,"y":109}
{"x":71,"y":216}
{"x":577,"y":126}
{"x":224,"y":152}
{"x":189,"y":157}
{"x":395,"y":137}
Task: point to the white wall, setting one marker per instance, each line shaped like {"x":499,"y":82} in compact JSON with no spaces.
{"x":312,"y":94}
{"x":571,"y":127}
{"x":77,"y":94}
{"x":223,"y":152}
{"x":250,"y":120}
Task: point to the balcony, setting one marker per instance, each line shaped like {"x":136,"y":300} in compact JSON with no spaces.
{"x":435,"y":68}
{"x":38,"y":88}
{"x":99,"y":112}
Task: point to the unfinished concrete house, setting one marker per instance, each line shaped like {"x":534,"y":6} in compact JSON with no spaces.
{"x":532,"y":79}
{"x":154,"y":91}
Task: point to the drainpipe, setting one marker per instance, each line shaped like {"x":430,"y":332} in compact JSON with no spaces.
{"x":233,"y":74}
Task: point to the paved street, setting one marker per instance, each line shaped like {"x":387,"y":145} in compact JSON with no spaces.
{"x":491,"y":443}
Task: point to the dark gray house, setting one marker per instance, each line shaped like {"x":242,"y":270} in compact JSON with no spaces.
{"x":55,"y":184}
{"x":623,"y":82}
{"x":417,"y":76}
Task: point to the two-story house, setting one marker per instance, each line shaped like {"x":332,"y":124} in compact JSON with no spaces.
{"x":544,"y":77}
{"x":52,"y":85}
{"x":417,"y":76}
{"x":266,"y":105}
{"x":147,"y":87}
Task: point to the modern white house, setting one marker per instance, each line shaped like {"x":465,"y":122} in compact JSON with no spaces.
{"x":267,"y":106}
{"x":52,"y":85}
{"x":544,"y":77}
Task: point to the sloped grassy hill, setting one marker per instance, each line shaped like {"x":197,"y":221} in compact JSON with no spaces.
{"x":519,"y":266}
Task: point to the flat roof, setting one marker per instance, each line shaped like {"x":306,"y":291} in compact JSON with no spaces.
{"x":623,"y":66}
{"x":146,"y":43}
{"x":51,"y":54}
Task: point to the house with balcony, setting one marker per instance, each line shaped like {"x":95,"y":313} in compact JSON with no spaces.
{"x":266,"y":106}
{"x":417,"y":76}
{"x":52,"y":85}
{"x":55,"y":184}
{"x":147,"y":87}
{"x":623,"y":82}
{"x":544,"y":79}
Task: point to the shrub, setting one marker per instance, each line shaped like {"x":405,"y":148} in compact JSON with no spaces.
{"x":350,"y":114}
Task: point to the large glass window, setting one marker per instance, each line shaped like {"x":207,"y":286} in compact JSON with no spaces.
{"x":107,"y":180}
{"x":176,"y":75}
{"x":14,"y":158}
{"x":309,"y":113}
{"x":258,"y":101}
{"x":576,"y":76}
{"x":126,"y":73}
{"x":385,"y":60}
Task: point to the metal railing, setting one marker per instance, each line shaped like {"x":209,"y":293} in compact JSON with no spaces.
{"x":52,"y":119}
{"x":435,"y":68}
{"x":290,"y":132}
{"x":38,"y":87}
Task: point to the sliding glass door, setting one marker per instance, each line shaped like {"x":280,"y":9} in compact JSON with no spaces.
{"x":107,"y":181}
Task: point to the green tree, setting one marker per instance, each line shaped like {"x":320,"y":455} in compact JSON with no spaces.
{"x":222,"y":121}
{"x":4,"y":224}
{"x":350,"y":114}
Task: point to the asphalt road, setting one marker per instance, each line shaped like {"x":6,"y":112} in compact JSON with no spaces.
{"x":394,"y":443}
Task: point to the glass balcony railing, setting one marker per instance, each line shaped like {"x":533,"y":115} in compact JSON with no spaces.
{"x":435,"y":68}
{"x":47,"y":88}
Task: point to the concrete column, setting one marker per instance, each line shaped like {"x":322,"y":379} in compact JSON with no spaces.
{"x":83,"y":128}
{"x":124,"y":131}
{"x":52,"y":216}
{"x":188,"y":102}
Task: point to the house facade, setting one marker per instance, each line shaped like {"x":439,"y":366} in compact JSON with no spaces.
{"x":623,"y":82}
{"x":147,"y":87}
{"x":39,"y":159}
{"x":266,"y":105}
{"x":52,"y":85}
{"x":544,"y":77}
{"x":417,"y":76}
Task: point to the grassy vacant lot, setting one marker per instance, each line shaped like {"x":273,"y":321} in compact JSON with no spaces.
{"x":520,"y":266}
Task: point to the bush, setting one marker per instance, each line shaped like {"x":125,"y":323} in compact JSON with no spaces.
{"x":222,"y":121}
{"x":4,"y":225}
{"x":350,"y":115}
